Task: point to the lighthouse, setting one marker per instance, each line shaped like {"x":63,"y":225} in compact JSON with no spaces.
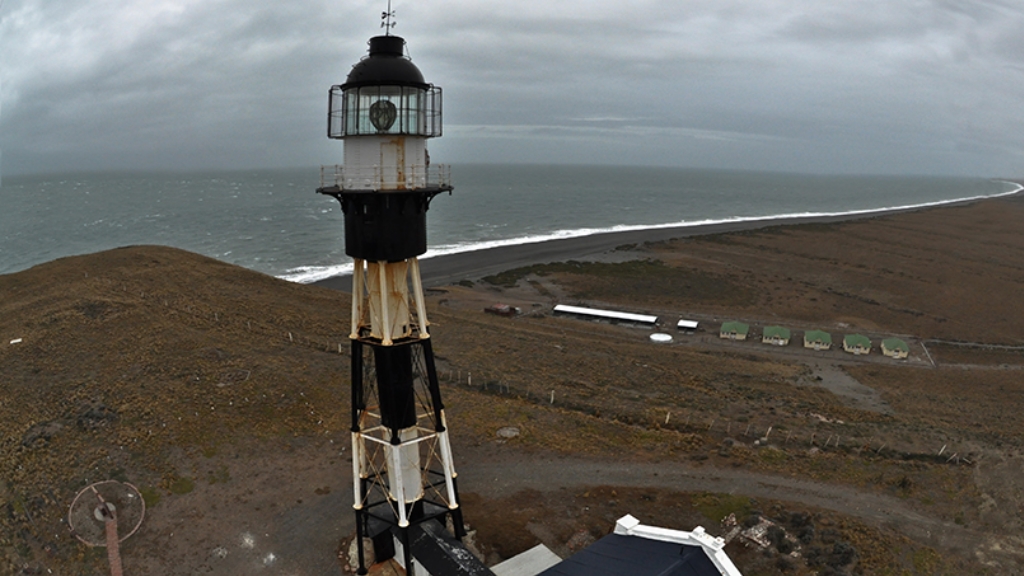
{"x":404,"y":480}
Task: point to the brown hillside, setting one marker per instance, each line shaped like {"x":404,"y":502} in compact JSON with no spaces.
{"x":130,"y":354}
{"x":221,"y":393}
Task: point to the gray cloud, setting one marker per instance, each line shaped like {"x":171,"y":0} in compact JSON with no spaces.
{"x":867,"y":86}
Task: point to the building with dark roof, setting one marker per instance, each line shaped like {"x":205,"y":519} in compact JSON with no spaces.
{"x":633,"y":549}
{"x":436,"y":552}
{"x":638,"y":550}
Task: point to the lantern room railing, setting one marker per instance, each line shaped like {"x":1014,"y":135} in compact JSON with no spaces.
{"x":376,"y":177}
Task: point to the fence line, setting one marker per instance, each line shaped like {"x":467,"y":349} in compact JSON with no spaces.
{"x":541,"y":396}
{"x":758,"y":434}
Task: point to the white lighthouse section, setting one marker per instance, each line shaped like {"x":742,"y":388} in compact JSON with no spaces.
{"x":408,"y":478}
{"x":385,"y":162}
{"x":420,"y":465}
{"x":386,"y":308}
{"x":380,"y":300}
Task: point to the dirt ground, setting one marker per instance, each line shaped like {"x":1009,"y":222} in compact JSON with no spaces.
{"x":222,"y":394}
{"x":272,"y":517}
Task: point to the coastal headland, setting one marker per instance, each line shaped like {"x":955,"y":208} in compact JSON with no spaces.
{"x":222,"y":394}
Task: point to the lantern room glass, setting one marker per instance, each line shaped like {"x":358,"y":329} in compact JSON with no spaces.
{"x":398,"y":110}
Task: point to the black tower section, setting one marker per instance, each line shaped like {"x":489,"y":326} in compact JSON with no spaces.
{"x":396,"y":400}
{"x":390,"y":227}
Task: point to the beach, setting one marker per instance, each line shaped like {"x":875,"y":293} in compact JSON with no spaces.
{"x":473,"y":265}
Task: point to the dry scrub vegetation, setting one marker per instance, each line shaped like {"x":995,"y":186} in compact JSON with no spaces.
{"x":131,"y":358}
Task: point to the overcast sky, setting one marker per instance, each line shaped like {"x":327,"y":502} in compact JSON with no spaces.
{"x":843,"y":86}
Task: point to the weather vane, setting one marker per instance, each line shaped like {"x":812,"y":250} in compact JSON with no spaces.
{"x":387,"y":20}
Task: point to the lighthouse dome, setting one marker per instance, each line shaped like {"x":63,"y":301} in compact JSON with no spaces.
{"x":386,"y":65}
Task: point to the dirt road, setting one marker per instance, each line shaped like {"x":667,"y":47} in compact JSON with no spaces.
{"x":283,"y":512}
{"x":497,"y":471}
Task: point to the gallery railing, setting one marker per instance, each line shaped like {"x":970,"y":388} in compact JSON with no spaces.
{"x":376,"y":177}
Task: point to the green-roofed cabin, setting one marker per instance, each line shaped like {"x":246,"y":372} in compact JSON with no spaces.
{"x":856,"y":344}
{"x":817,"y":340}
{"x":775,"y":335}
{"x":895,"y":348}
{"x":734,"y":331}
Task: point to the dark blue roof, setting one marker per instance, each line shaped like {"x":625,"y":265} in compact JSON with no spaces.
{"x":442,"y":554}
{"x":616,"y":555}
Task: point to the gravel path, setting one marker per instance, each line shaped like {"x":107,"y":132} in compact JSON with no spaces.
{"x":497,"y":472}
{"x":283,"y":512}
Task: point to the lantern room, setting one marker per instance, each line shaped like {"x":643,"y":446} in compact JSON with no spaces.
{"x":385,"y":94}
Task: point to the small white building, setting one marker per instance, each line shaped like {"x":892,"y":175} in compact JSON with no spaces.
{"x":609,"y":315}
{"x":687,"y":325}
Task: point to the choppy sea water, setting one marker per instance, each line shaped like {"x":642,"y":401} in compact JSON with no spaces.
{"x":274,"y":222}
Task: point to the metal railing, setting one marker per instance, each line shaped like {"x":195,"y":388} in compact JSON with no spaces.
{"x":378,"y":177}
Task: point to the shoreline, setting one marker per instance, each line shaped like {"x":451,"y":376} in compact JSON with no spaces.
{"x":474,"y":264}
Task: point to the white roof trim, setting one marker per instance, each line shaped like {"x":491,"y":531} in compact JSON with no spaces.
{"x":528,"y":563}
{"x":606,"y":314}
{"x":713,"y":547}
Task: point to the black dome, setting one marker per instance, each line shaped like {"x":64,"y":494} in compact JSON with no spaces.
{"x":386,"y":65}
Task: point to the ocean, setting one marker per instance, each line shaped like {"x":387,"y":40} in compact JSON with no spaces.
{"x":273,"y":221}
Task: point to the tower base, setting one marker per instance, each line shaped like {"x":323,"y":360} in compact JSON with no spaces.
{"x":402,"y":462}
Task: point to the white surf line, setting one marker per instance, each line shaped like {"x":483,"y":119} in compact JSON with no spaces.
{"x":306,"y":275}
